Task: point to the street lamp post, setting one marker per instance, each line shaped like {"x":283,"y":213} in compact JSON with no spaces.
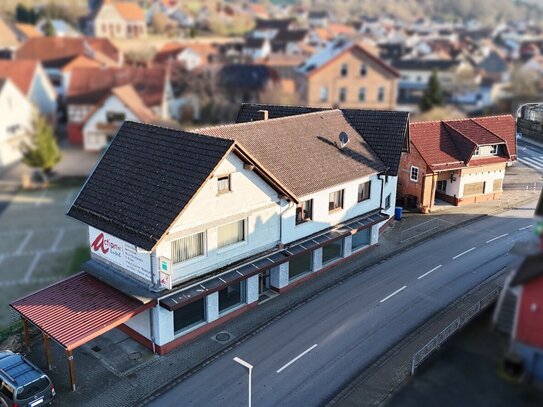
{"x":250,"y":370}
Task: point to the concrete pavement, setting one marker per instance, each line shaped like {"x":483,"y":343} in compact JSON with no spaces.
{"x":355,"y":322}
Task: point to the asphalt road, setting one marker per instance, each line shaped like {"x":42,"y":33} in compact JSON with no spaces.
{"x":307,"y":356}
{"x":530,"y":155}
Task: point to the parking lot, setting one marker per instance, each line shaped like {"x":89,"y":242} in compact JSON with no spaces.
{"x":39,"y":244}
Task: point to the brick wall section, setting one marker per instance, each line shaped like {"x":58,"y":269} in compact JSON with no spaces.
{"x":405,"y":185}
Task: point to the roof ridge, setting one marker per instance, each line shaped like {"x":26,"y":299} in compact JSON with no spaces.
{"x":275,"y":120}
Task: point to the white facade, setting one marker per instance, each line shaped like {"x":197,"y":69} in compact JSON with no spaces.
{"x":250,"y":199}
{"x":42,"y":93}
{"x":17,"y":114}
{"x":95,"y":139}
{"x":109,"y":23}
{"x":484,"y":175}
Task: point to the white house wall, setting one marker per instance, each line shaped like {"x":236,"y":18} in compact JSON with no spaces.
{"x":483,"y":176}
{"x":322,"y":219}
{"x":251,"y":199}
{"x":94,"y":139}
{"x":42,"y":93}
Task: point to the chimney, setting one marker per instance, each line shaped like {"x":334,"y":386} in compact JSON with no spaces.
{"x":264,"y":114}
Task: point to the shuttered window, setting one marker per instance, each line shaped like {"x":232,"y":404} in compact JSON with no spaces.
{"x":476,"y":188}
{"x":188,"y":247}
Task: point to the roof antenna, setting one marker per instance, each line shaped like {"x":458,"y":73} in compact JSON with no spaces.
{"x":343,"y":140}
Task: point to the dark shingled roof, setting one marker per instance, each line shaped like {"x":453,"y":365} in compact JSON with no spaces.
{"x":530,"y":269}
{"x":424,"y":64}
{"x":300,"y":151}
{"x":384,"y":131}
{"x":246,"y":76}
{"x":145,"y":179}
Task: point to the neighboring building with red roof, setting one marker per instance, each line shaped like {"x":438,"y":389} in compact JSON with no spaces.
{"x":90,"y":86}
{"x":32,"y":80}
{"x":457,"y":161}
{"x":347,"y":75}
{"x":55,"y":53}
{"x":123,"y":19}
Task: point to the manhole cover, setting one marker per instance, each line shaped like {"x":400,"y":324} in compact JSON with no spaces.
{"x":96,"y":348}
{"x":135,"y":355}
{"x":223,"y":337}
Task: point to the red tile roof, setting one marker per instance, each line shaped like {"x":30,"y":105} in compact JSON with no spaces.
{"x":90,"y":85}
{"x":21,"y":73}
{"x":450,"y":144}
{"x":130,"y":11}
{"x":78,"y":309}
{"x":61,"y":50}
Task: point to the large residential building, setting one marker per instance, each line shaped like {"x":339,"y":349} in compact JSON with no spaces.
{"x":346,"y":75}
{"x":120,"y":19}
{"x":456,"y":161}
{"x":190,"y":229}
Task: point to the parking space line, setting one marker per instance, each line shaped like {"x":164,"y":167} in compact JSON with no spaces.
{"x":461,"y":254}
{"x":526,"y":227}
{"x":305,"y":352}
{"x":59,"y":237}
{"x":431,"y":271}
{"x":28,"y":236}
{"x":32,"y":266}
{"x":393,"y":294}
{"x":498,"y":237}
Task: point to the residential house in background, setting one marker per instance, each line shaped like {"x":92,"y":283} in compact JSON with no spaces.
{"x":318,"y":18}
{"x":102,"y":123}
{"x":16,"y":121}
{"x":60,"y":27}
{"x":222,"y":219}
{"x":456,"y":161}
{"x":347,"y":75}
{"x":26,"y":31}
{"x":32,"y":80}
{"x":90,"y":87}
{"x":191,"y":55}
{"x":56,"y":53}
{"x":8,"y":40}
{"x":247,"y":83}
{"x":119,"y":19}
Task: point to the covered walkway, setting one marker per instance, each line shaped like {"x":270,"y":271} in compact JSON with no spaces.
{"x":74,"y":311}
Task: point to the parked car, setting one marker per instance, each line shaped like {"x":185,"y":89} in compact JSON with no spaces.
{"x":22,"y":384}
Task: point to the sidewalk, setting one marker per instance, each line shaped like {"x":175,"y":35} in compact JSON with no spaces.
{"x":118,"y":372}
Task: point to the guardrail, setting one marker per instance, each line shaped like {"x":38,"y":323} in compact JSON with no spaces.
{"x":457,"y":324}
{"x":419,"y":230}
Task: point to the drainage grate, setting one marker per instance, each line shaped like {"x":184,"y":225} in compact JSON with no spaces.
{"x":135,"y":355}
{"x":223,"y":337}
{"x":96,"y":348}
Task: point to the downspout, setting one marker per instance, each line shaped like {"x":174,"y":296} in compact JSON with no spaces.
{"x":281,"y":213}
{"x":151,"y":317}
{"x":382,"y":189}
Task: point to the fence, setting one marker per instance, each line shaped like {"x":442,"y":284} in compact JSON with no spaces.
{"x":458,"y":323}
{"x":419,"y":230}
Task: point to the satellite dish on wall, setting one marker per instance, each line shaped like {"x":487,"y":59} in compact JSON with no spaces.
{"x":343,"y":140}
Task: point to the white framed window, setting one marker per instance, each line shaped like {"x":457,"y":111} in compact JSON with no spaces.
{"x":476,"y":152}
{"x":387,"y":202}
{"x":188,"y":247}
{"x":381,"y":94}
{"x":335,"y":200}
{"x":343,"y":94}
{"x":231,"y":233}
{"x":414,"y":174}
{"x":323,"y":94}
{"x":344,"y":70}
{"x":362,"y":94}
{"x":363,"y":70}
{"x":494,"y":149}
{"x":223,"y":184}
{"x":364,"y":190}
{"x":304,"y":211}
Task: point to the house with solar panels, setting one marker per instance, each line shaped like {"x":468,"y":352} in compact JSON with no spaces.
{"x":190,"y":229}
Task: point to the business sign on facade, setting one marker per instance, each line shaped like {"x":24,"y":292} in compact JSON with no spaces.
{"x":121,"y":253}
{"x":165,"y":280}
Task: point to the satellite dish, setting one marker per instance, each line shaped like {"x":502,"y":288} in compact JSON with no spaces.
{"x":343,"y":140}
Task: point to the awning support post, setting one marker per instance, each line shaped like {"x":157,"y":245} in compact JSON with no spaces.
{"x":47,"y":347}
{"x":26,"y":334}
{"x":72,"y":368}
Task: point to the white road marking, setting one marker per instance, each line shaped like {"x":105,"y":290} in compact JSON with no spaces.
{"x":31,"y":268}
{"x":466,"y":252}
{"x":431,"y":271}
{"x":305,"y":352}
{"x":28,"y":236}
{"x":498,"y":237}
{"x":526,"y":227}
{"x":40,"y":199}
{"x":393,"y":294}
{"x":59,"y":237}
{"x":532,"y":162}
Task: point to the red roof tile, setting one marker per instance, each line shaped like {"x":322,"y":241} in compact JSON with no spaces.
{"x":20,"y":72}
{"x":78,"y":309}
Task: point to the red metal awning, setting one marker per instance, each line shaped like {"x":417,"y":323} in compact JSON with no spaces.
{"x":78,"y":309}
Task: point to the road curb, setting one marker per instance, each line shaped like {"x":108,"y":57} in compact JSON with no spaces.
{"x":149,"y":397}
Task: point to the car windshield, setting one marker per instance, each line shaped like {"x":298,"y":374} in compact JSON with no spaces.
{"x":32,"y":388}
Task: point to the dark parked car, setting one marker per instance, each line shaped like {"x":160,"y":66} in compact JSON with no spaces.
{"x":22,"y":384}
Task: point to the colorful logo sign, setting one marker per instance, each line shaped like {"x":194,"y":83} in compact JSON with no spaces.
{"x":99,"y":244}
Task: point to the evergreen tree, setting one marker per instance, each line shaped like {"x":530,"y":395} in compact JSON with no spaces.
{"x":433,"y":95}
{"x":42,"y":152}
{"x":49,"y":28}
